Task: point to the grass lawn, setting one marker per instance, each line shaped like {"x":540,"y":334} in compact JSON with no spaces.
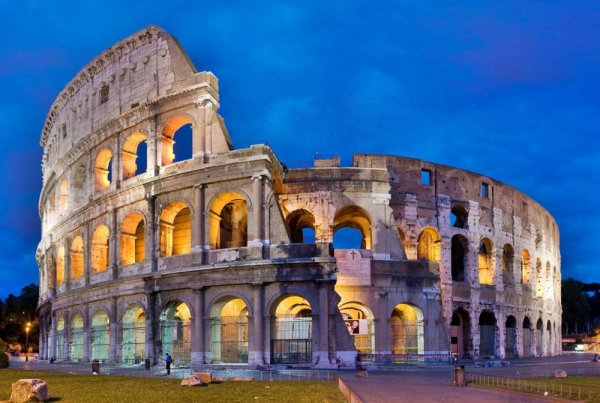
{"x":113,"y":389}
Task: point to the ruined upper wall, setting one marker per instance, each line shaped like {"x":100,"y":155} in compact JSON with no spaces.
{"x":135,"y":71}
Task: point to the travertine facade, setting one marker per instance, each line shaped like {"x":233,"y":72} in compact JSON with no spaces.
{"x":145,"y":251}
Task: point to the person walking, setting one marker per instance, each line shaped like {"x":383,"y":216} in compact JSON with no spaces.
{"x":168,"y":361}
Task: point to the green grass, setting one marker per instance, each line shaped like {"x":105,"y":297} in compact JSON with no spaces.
{"x":114,"y":389}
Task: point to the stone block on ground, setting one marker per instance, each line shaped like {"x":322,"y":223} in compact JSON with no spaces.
{"x":205,"y":377}
{"x":29,"y":390}
{"x":192,"y":380}
{"x":559,"y":373}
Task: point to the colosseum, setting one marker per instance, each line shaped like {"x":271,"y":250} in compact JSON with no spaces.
{"x":158,"y":236}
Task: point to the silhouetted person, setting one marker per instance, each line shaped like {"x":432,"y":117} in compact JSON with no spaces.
{"x":168,"y":360}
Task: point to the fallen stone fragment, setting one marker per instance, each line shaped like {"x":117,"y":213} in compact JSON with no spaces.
{"x":29,"y":390}
{"x":192,"y":380}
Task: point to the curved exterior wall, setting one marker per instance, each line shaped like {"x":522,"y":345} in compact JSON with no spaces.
{"x":204,"y":257}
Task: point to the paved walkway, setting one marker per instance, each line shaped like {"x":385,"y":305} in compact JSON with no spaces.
{"x":426,"y":386}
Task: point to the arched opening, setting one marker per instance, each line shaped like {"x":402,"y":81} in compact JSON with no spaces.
{"x":508,"y":257}
{"x":539,"y":280}
{"x":459,"y":250}
{"x":550,"y":348}
{"x":539,"y":343}
{"x":548,"y":281}
{"x":100,"y":249}
{"x":134,"y":155}
{"x":229,"y":221}
{"x":348,"y":238}
{"x":60,"y":339}
{"x":525,"y":267}
{"x":359,"y":322}
{"x":134,"y":335}
{"x":356,"y":218}
{"x":63,"y":197}
{"x":510,"y":349}
{"x":100,"y":336}
{"x":76,"y":338}
{"x":133,"y":244}
{"x":103,"y":169}
{"x":76,"y":254}
{"x":429,"y":246}
{"x":460,"y":329}
{"x":408,"y":331}
{"x":176,"y":332}
{"x":299,"y":222}
{"x":459,"y":217}
{"x":526,"y":337}
{"x":51,"y":207}
{"x":487,"y":334}
{"x":175,"y":229}
{"x":60,"y":266}
{"x":484,"y":257}
{"x":177,"y":140}
{"x":229,"y":331}
{"x":291,"y":331}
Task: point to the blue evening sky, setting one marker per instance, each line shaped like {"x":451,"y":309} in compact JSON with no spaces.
{"x":510,"y":89}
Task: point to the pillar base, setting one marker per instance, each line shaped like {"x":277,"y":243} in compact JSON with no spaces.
{"x":255,"y":358}
{"x":198,"y":358}
{"x":346,"y":359}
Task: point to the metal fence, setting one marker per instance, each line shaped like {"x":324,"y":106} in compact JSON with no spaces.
{"x":549,"y":388}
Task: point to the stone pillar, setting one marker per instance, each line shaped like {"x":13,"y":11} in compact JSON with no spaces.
{"x":42,"y":337}
{"x":381,"y":228}
{"x":114,"y":245}
{"x":151,"y":245}
{"x":117,"y":165}
{"x":256,"y":229}
{"x":199,"y":131}
{"x":501,"y":336}
{"x":87,"y":253}
{"x":87,"y":346}
{"x":321,"y":356}
{"x":382,"y":324}
{"x":67,"y":263}
{"x":198,"y":343}
{"x":198,"y":230}
{"x":114,"y":332}
{"x":256,"y":336}
{"x":52,"y":338}
{"x":151,"y":325}
{"x":475,"y":333}
{"x":66,"y":337}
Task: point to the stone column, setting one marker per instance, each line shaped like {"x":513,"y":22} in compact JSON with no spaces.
{"x":256,"y":229}
{"x":501,"y":336}
{"x":114,"y":245}
{"x":198,"y":343}
{"x":321,"y":356}
{"x":198,"y":230}
{"x":256,"y":335}
{"x":87,"y":346}
{"x":52,"y":338}
{"x":117,"y":165}
{"x":67,"y":263}
{"x":42,"y":337}
{"x":87,"y":253}
{"x":114,"y":332}
{"x":66,"y":337}
{"x":151,"y":325}
{"x":382,"y":324}
{"x":151,"y":247}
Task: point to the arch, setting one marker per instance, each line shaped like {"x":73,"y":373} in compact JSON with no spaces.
{"x":176,"y":331}
{"x":429,"y":246}
{"x":175,"y":229}
{"x":131,"y":152}
{"x":459,"y":217}
{"x":460,"y":329}
{"x":60,"y":339}
{"x":76,"y":337}
{"x":229,"y":330}
{"x":527,"y":337}
{"x":487,"y":334}
{"x":77,"y":257}
{"x":133,"y":239}
{"x":360,"y":323}
{"x":510,"y":347}
{"x":60,"y":265}
{"x":459,"y":249}
{"x":291,"y":331}
{"x":100,"y":248}
{"x":550,"y":348}
{"x":100,"y":336}
{"x":134,"y":335}
{"x":357,"y":218}
{"x":228,"y":225}
{"x":63,"y":197}
{"x":407,"y":328}
{"x":485,"y":265}
{"x":525,"y":267}
{"x":548,"y":281}
{"x":508,"y":258}
{"x":171,"y":130}
{"x":297,"y":222}
{"x":539,"y":281}
{"x":539,"y":342}
{"x":103,"y":169}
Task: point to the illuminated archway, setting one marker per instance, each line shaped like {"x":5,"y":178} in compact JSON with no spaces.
{"x":429,"y":246}
{"x":408,"y":331}
{"x":60,"y":265}
{"x":134,"y":335}
{"x":484,"y":258}
{"x":525,"y":267}
{"x":298,"y":222}
{"x":176,"y":332}
{"x":76,"y":254}
{"x":131,"y":152}
{"x":175,"y":229}
{"x":133,"y":243}
{"x":228,"y":226}
{"x":103,"y":169}
{"x":357,"y":218}
{"x":100,"y":249}
{"x":291,"y":331}
{"x":539,"y":280}
{"x":100,"y":336}
{"x":76,"y":338}
{"x":229,"y":331}
{"x":359,"y":322}
{"x":60,"y":339}
{"x":177,"y":127}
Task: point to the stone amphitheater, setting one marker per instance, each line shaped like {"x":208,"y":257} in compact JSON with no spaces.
{"x":159,"y":237}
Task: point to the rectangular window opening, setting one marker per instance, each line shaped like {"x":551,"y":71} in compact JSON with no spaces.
{"x":425,"y":177}
{"x":485,"y":190}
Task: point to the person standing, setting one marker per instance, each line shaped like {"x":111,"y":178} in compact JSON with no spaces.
{"x":168,"y":361}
